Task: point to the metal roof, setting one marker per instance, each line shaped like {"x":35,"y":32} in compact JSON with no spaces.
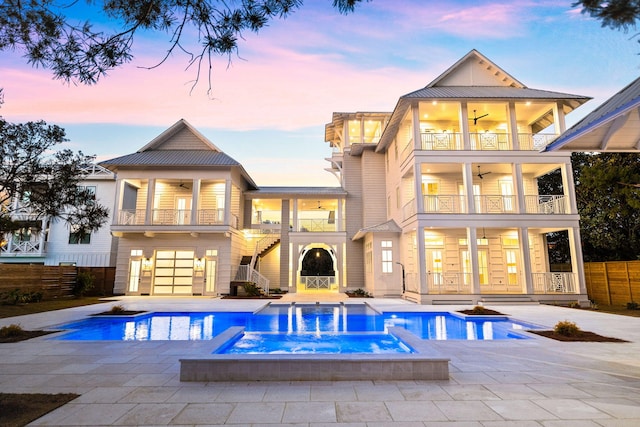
{"x":278,"y":192}
{"x":492,"y":92}
{"x":172,"y":158}
{"x":613,"y":126}
{"x":386,"y":227}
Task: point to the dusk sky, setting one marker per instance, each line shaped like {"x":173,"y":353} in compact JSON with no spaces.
{"x":269,"y":106}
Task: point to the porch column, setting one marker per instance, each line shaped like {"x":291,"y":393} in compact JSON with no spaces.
{"x":284,"y":245}
{"x":295,"y":215}
{"x":417,"y":173}
{"x":339,"y":225}
{"x":415,"y":121}
{"x":227,"y":203}
{"x":118,"y":202}
{"x":464,"y":122}
{"x":577,"y":263}
{"x":151,"y":186}
{"x":472,"y":245}
{"x":558,"y":118}
{"x":41,"y":237}
{"x":521,"y":197}
{"x":467,"y":180}
{"x":567,"y":185}
{"x":525,"y":251}
{"x":513,"y":127}
{"x":423,"y":284}
{"x":195,"y":202}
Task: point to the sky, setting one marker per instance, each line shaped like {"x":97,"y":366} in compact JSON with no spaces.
{"x":269,"y":104}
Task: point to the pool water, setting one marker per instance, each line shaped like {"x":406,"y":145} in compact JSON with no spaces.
{"x":296,"y":319}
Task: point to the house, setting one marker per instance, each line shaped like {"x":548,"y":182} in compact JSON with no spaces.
{"x":438,"y":202}
{"x":50,"y":241}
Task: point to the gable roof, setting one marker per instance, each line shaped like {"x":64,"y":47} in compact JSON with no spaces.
{"x":474,"y":77}
{"x":613,"y":126}
{"x":180,"y":146}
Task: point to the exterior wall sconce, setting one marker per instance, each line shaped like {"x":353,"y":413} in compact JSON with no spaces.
{"x":147,"y":264}
{"x":198,"y":264}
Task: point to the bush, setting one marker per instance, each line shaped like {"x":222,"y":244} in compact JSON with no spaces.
{"x":16,"y":297}
{"x":12,"y":330}
{"x":117,"y":309}
{"x":574,"y":304}
{"x":84,"y":283}
{"x":478,"y":309}
{"x":360,"y":293}
{"x":632,"y":305}
{"x":567,"y":328}
{"x":252,"y":290}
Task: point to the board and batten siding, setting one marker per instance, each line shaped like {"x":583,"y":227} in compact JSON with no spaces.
{"x":352,"y":182}
{"x":373,"y":189}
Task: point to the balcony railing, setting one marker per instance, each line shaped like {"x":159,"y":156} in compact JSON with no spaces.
{"x":174,"y":217}
{"x":488,"y":204}
{"x":318,"y":282}
{"x":16,"y":247}
{"x":554,"y":283}
{"x":546,"y":204}
{"x":449,"y":283}
{"x":317,"y":225}
{"x":483,"y":141}
{"x":445,"y":203}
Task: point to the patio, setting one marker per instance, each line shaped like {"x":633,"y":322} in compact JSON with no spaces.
{"x":536,"y":382}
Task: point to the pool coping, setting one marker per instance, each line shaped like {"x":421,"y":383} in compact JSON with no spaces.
{"x":424,"y":364}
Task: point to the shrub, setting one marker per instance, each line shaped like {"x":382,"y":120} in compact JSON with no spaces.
{"x":567,"y":328}
{"x":117,"y":309}
{"x":84,"y":283}
{"x":360,"y":293}
{"x":12,"y":330}
{"x":252,"y":290}
{"x":632,"y":305}
{"x":574,"y":304}
{"x":478,"y":309}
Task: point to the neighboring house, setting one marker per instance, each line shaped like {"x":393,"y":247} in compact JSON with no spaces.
{"x":51,"y":241}
{"x":438,"y":202}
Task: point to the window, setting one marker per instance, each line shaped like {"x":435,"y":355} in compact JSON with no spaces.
{"x":77,"y":237}
{"x":387,"y":256}
{"x":89,"y":189}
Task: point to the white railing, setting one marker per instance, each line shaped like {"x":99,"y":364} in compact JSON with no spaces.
{"x":495,"y":204}
{"x":441,"y":141}
{"x":317,"y":225}
{"x":15,"y":247}
{"x":247,"y":274}
{"x":535,"y":141}
{"x":444,"y":203}
{"x":171,"y":216}
{"x":262,"y":244}
{"x":554,"y":283}
{"x":546,"y":204}
{"x":490,"y":141}
{"x":318,"y":282}
{"x":131,"y":217}
{"x":449,"y":283}
{"x":210,"y":216}
{"x":409,"y":209}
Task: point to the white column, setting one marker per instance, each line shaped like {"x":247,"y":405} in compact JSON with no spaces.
{"x":464,"y":122}
{"x":195,"y":202}
{"x":566,"y":171}
{"x":558,"y":118}
{"x":227,"y":202}
{"x":520,"y":193}
{"x":525,"y":253}
{"x":118,"y":201}
{"x":577,"y":263}
{"x":513,"y":127}
{"x":467,"y":180}
{"x":295,"y":215}
{"x":339,"y":226}
{"x":472,"y":245}
{"x":417,"y":173}
{"x":151,"y":186}
{"x":415,"y":120}
{"x":423,"y":285}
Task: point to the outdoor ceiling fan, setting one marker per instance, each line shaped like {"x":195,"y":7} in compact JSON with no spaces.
{"x":475,"y":118}
{"x":182,"y":185}
{"x":481,"y":175}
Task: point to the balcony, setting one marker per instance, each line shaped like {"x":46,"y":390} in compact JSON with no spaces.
{"x":488,"y":204}
{"x":449,"y":283}
{"x":482,"y":141}
{"x":317,"y":225}
{"x":173,"y":217}
{"x":554,"y":283}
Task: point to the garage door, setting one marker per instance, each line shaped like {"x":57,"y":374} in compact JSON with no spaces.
{"x":173,"y":273}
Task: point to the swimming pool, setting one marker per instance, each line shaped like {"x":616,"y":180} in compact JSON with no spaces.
{"x":321,"y":320}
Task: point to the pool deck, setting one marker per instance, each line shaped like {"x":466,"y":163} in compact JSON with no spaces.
{"x":535,"y":382}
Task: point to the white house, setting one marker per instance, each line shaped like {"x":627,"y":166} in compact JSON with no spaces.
{"x":51,"y":242}
{"x":438,"y":201}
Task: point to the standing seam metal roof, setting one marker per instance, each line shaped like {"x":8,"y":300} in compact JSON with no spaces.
{"x":173,"y":158}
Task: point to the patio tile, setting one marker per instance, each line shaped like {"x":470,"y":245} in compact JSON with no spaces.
{"x":150,"y":394}
{"x":362,"y":412}
{"x":195,"y":395}
{"x":469,"y":392}
{"x":242,"y":394}
{"x":85,"y":414}
{"x":378,"y":393}
{"x":312,"y":412}
{"x":103,"y":395}
{"x":331,"y":393}
{"x":467,"y":411}
{"x":514,"y":391}
{"x":519,"y":410}
{"x":452,"y":424}
{"x":560,"y":391}
{"x":204,"y":413}
{"x":415,"y":411}
{"x":424,"y":392}
{"x":149,"y":380}
{"x":151,"y":414}
{"x":290,"y":393}
{"x":571,"y":409}
{"x":618,"y":407}
{"x":258,"y":412}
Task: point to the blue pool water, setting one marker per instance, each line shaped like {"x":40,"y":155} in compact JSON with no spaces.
{"x":320,"y":320}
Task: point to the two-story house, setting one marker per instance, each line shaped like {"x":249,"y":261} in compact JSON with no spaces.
{"x":438,"y":201}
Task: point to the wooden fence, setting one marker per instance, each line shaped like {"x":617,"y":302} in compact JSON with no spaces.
{"x":613,"y":282}
{"x":53,"y":281}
